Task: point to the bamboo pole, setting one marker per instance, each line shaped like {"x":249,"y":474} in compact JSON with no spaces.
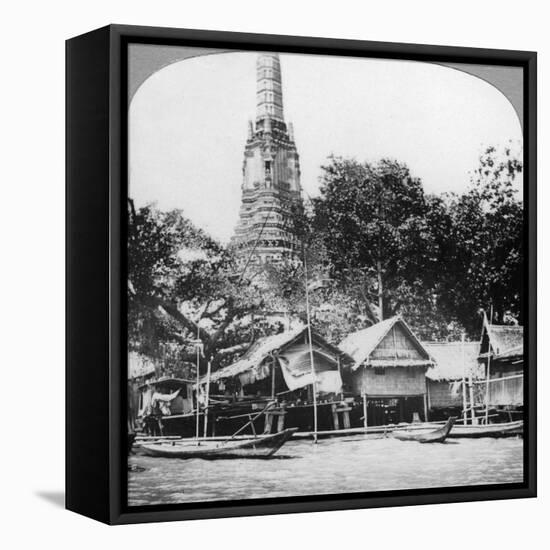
{"x":251,"y":421}
{"x":488,"y":374}
{"x":207,"y":398}
{"x":365,"y":423}
{"x":464,"y":403}
{"x":504,"y":378}
{"x":197,"y":413}
{"x":313,"y":385}
{"x":472,"y":404}
{"x":340,"y":373}
{"x":487,"y":380}
{"x":425,"y":407}
{"x":273,"y":378}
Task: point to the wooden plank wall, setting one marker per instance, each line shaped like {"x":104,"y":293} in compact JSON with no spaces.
{"x":441,"y":396}
{"x":395,"y":381}
{"x":506,"y":392}
{"x":396,"y":345}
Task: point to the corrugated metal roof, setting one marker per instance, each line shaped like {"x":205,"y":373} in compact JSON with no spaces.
{"x":362,"y":343}
{"x":450,"y":364}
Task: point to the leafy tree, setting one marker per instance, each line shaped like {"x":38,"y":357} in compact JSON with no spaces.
{"x":485,"y":262}
{"x":372,"y":219}
{"x":390,"y":248}
{"x":177,"y":275}
{"x":373,"y":244}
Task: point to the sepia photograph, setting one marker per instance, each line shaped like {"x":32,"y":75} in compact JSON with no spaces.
{"x":325,"y":275}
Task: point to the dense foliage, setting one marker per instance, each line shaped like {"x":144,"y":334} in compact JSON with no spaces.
{"x":374,"y":245}
{"x":438,"y":260}
{"x":182,"y":285}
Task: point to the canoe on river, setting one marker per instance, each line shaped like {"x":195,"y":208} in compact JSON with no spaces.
{"x":262,"y":446}
{"x":506,"y":429}
{"x":431,"y":436}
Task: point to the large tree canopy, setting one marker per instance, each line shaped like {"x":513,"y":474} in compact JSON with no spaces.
{"x":437,"y":260}
{"x":373,"y":222}
{"x":182,"y":284}
{"x":484,"y":260}
{"x":374,"y":245}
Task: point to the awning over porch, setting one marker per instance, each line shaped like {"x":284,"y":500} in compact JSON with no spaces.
{"x":290,"y":351}
{"x":296,"y":368}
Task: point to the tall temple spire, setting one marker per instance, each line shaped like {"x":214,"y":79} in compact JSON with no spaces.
{"x":269,"y":90}
{"x":271,"y":176}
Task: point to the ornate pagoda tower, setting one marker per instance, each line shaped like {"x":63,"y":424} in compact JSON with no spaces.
{"x":271,"y":175}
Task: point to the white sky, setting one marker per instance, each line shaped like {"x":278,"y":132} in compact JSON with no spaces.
{"x":188,"y":126}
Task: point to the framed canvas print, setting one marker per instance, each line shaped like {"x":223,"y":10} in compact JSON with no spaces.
{"x":300,"y":274}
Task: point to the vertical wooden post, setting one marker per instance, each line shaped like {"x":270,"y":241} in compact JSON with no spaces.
{"x":464,"y":403}
{"x":273,"y":378}
{"x":281,"y":420}
{"x":197,"y":389}
{"x":207,"y":398}
{"x":487,"y":380}
{"x":488,"y":374}
{"x":268,"y":422}
{"x":335,"y":421}
{"x":425,"y":407}
{"x":313,"y":374}
{"x":346,"y":420}
{"x":472,"y":407}
{"x":365,"y":423}
{"x":340,"y":373}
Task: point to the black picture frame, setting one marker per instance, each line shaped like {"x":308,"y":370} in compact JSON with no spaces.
{"x":96,"y":189}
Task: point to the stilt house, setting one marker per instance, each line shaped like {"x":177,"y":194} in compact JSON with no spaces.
{"x":389,"y":372}
{"x":501,"y":353}
{"x":278,"y":368}
{"x":456,"y":364}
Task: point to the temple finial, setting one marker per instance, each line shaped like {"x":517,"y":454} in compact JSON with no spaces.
{"x":269,"y":94}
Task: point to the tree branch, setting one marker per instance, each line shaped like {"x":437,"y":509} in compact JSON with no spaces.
{"x":172,"y":310}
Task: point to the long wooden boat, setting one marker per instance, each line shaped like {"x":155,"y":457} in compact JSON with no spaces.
{"x":262,"y":446}
{"x":432,"y":436}
{"x":507,"y":429}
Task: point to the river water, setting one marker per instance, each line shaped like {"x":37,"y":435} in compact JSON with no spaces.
{"x":338,"y":465}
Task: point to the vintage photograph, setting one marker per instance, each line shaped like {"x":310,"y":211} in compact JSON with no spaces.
{"x":326,"y":274}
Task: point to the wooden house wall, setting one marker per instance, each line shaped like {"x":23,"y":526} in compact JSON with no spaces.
{"x":397,"y":344}
{"x":506,"y":392}
{"x":396,"y":381}
{"x":500,"y":369}
{"x":440,"y":395}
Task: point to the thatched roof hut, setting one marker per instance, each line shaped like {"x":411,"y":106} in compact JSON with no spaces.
{"x":390,"y":343}
{"x":289,"y":351}
{"x":501,"y":342}
{"x":453,"y":361}
{"x":389,"y":370}
{"x":501,"y":353}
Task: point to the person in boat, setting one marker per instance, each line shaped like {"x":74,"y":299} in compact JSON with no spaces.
{"x":158,"y":407}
